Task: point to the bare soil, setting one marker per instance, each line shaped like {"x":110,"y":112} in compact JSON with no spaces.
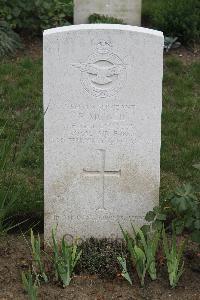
{"x":15,"y":257}
{"x":186,"y":55}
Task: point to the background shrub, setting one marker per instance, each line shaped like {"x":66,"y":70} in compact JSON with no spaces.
{"x":96,"y":18}
{"x":9,"y":40}
{"x":179,"y":18}
{"x":33,"y":16}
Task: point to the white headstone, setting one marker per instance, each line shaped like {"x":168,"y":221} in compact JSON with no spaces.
{"x":103,"y":95}
{"x":127,"y":10}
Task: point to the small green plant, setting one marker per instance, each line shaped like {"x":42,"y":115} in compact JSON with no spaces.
{"x":180,"y":209}
{"x":38,"y":265}
{"x":125,"y":274}
{"x":65,"y":260}
{"x":96,"y":18}
{"x":174,"y":257}
{"x":171,"y":43}
{"x":9,"y":40}
{"x":142,"y":249}
{"x":156,"y":218}
{"x":29,"y":285}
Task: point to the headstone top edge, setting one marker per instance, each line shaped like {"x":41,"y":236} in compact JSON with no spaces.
{"x":103,"y":26}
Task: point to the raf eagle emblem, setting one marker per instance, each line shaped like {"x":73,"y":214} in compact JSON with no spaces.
{"x":101,"y":75}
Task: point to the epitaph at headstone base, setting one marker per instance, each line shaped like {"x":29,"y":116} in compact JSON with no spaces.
{"x":103,"y":91}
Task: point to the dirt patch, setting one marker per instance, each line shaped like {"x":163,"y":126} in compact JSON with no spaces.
{"x":31,"y":47}
{"x":186,"y":55}
{"x":15,"y":257}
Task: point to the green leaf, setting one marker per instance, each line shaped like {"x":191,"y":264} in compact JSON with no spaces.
{"x":157,"y":225}
{"x":197,"y":224}
{"x":180,"y":203}
{"x":139,"y":253}
{"x":150,"y":216}
{"x":145,"y":229}
{"x":195,"y":236}
{"x":197,"y":166}
{"x":125,"y":273}
{"x":16,"y":11}
{"x":189,"y":221}
{"x":178,"y":226}
{"x":165,"y":244}
{"x":161,"y":217}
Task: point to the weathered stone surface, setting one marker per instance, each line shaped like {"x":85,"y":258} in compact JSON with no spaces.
{"x":103,"y":95}
{"x":127,"y":10}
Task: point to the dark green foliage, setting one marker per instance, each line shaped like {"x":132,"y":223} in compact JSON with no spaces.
{"x":180,"y":210}
{"x":185,"y":206}
{"x":36,"y":15}
{"x":96,"y":18}
{"x":9,"y":40}
{"x":53,"y":13}
{"x":100,"y":257}
{"x":177,"y":18}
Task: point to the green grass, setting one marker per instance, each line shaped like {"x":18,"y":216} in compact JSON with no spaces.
{"x":180,"y":124}
{"x":21,"y":105}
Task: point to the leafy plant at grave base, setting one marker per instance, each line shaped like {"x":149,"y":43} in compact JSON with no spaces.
{"x":171,"y":43}
{"x":29,"y":285}
{"x":96,"y":18}
{"x":178,"y":18}
{"x":65,"y":260}
{"x":38,"y":265}
{"x":181,"y":209}
{"x":125,"y":274}
{"x":157,"y":216}
{"x":174,"y":257}
{"x":35,"y":15}
{"x":142,"y":249}
{"x":186,"y":206}
{"x":9,"y":40}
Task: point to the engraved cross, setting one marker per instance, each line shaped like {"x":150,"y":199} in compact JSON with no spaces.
{"x":102,"y":173}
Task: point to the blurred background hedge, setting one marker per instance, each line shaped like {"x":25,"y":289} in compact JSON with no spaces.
{"x":177,"y":18}
{"x":33,"y":16}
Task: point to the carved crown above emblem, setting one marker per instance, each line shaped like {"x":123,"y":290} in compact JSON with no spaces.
{"x":103,"y":47}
